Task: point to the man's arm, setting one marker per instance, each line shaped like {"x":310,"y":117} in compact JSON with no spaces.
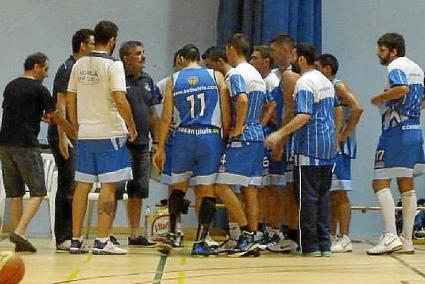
{"x":274,"y":139}
{"x":225,"y":104}
{"x":288,"y":82}
{"x":241,"y":112}
{"x":393,"y":93}
{"x":69,"y":128}
{"x":267,"y":113}
{"x":348,"y":98}
{"x":64,"y":142}
{"x":124,"y":110}
{"x":164,"y":125}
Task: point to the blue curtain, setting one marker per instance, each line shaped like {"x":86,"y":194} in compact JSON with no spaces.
{"x":261,"y":20}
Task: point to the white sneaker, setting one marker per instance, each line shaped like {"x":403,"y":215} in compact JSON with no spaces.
{"x":408,"y":247}
{"x":333,"y":239}
{"x":343,"y":244}
{"x":107,"y":248}
{"x":258,"y":236}
{"x":388,"y":243}
{"x":211,"y":243}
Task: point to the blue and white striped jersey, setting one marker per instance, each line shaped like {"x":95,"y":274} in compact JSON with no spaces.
{"x":196,"y":97}
{"x":314,"y":94}
{"x":349,"y":147}
{"x":246,"y":79}
{"x":403,"y":71}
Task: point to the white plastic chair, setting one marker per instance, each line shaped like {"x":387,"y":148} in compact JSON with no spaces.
{"x":92,"y":199}
{"x":51,"y":180}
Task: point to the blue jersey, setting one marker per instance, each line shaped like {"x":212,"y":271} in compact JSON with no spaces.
{"x":404,"y":72}
{"x":196,"y":97}
{"x":246,"y":79}
{"x":315,"y":95}
{"x":349,"y":147}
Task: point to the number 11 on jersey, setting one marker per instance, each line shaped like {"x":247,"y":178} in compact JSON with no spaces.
{"x":191,"y":100}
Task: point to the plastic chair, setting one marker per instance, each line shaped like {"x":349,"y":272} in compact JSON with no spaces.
{"x":51,"y":180}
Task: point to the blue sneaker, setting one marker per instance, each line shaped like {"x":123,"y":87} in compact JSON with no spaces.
{"x":201,"y":248}
{"x":245,"y":246}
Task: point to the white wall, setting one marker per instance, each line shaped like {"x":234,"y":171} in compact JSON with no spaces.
{"x":44,"y":25}
{"x":350,"y":32}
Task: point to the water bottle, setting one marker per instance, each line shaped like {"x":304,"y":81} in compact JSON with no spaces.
{"x":148,"y":225}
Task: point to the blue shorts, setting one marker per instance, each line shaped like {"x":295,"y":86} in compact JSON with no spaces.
{"x":399,"y":153}
{"x":341,"y":177}
{"x":242,"y":164}
{"x":166,"y":172}
{"x":276,"y":171}
{"x":102,"y":160}
{"x":196,"y":155}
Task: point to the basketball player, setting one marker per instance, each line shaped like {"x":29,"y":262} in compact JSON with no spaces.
{"x":202,"y":101}
{"x":314,"y":146}
{"x":341,"y":179}
{"x":400,"y":147}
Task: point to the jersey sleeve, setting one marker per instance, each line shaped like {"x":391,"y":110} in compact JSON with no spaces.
{"x":117,"y":77}
{"x":47,"y":99}
{"x":61,"y":79}
{"x":397,"y":77}
{"x":237,"y":85}
{"x":72,"y":83}
{"x":304,"y":99}
{"x":156,"y":97}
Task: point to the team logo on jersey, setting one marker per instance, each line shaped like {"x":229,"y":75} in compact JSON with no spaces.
{"x":147,"y":87}
{"x":193,"y":80}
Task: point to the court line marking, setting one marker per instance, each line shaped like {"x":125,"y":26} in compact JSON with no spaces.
{"x":160,"y":270}
{"x":417,"y":271}
{"x":182,"y":273}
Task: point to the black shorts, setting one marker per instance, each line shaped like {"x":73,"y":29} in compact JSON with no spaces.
{"x":20,"y":166}
{"x":138,"y":187}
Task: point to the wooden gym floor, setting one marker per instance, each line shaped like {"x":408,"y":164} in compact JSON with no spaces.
{"x":143,"y":265}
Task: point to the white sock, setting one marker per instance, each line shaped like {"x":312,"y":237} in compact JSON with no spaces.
{"x":234,"y":230}
{"x":409,"y":203}
{"x":386,"y":201}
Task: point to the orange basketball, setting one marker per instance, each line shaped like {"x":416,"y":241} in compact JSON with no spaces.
{"x":12,"y":268}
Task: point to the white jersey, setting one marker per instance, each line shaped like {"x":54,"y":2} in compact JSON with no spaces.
{"x":94,"y":78}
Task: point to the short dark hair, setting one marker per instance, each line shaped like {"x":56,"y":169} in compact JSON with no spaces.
{"x":264,"y":50}
{"x":35,"y":58}
{"x":283,"y":38}
{"x":307,"y":51}
{"x":393,"y":41}
{"x":190,"y":52}
{"x":176,"y":54}
{"x":104,"y":31}
{"x":79,"y":37}
{"x":240,"y":42}
{"x":215,"y":53}
{"x":329,"y":60}
{"x":125,"y":47}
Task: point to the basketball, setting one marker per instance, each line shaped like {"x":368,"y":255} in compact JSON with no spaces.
{"x":12,"y":268}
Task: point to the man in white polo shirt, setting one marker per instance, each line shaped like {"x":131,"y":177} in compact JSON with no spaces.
{"x":97,"y":90}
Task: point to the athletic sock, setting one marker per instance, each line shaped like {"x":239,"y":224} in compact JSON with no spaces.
{"x":103,"y":240}
{"x":409,"y":203}
{"x":206,"y":213}
{"x":386,"y":201}
{"x":234,"y":231}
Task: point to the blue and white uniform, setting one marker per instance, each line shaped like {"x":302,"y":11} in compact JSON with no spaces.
{"x":242,"y":161}
{"x":314,"y":143}
{"x":341,"y":178}
{"x":197,"y":144}
{"x":400,"y":148}
{"x":276,"y":172}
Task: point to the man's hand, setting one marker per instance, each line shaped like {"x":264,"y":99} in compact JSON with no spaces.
{"x":273,"y":141}
{"x":132,"y":134}
{"x":46,"y":118}
{"x":159,"y":159}
{"x":235,"y":132}
{"x":277,"y":152}
{"x":376,"y":100}
{"x":64,"y":143}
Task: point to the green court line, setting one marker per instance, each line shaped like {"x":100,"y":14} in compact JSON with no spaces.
{"x":160,"y":270}
{"x":417,"y":271}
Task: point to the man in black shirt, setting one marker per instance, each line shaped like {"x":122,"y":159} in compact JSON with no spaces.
{"x":25,"y":102}
{"x":62,"y":147}
{"x":142,"y":95}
